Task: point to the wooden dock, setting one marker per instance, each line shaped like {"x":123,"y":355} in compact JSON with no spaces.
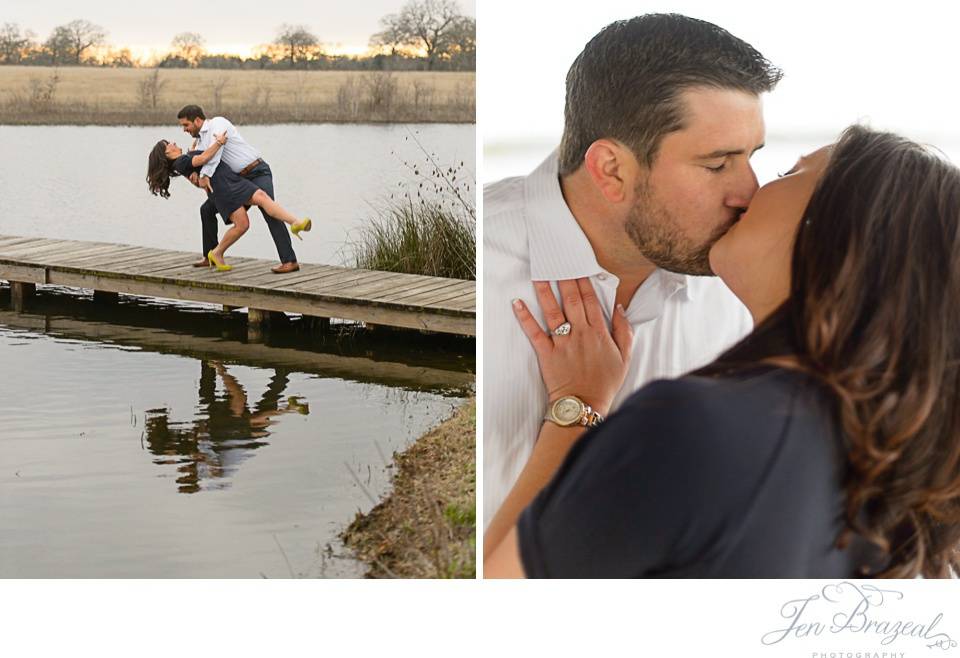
{"x":321,"y":291}
{"x":390,"y":372}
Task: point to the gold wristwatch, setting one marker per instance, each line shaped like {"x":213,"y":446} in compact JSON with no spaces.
{"x":571,"y":410}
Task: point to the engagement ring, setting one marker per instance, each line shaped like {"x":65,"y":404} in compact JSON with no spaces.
{"x":562,"y":330}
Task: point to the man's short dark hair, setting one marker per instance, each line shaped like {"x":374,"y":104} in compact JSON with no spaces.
{"x":191,"y":113}
{"x":626,"y":83}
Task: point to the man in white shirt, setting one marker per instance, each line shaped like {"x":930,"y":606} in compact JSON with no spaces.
{"x":662,"y":115}
{"x":243,"y":159}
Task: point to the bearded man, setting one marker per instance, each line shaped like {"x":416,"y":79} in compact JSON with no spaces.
{"x":662,"y":115}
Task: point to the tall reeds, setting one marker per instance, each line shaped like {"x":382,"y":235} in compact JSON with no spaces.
{"x":429,"y":227}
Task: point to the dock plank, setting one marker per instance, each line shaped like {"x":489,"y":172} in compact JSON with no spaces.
{"x":149,"y":263}
{"x":98,"y":259}
{"x":400,"y":295}
{"x":341,"y":284}
{"x":440,"y":298}
{"x":387,"y":298}
{"x":33,"y":251}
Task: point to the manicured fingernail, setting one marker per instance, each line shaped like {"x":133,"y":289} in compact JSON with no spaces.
{"x":517,"y":304}
{"x":620,"y":309}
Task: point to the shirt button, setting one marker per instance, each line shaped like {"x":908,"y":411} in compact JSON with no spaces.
{"x":602,"y":277}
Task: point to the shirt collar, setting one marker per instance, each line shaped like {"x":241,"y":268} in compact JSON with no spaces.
{"x":682,"y":284}
{"x":559,"y":249}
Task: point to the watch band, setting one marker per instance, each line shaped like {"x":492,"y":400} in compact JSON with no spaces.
{"x":591,"y":418}
{"x":587,"y":418}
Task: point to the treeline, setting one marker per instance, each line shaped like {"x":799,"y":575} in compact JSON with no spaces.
{"x":425,"y":35}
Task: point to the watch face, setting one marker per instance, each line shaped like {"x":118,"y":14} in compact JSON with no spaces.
{"x":567,"y":410}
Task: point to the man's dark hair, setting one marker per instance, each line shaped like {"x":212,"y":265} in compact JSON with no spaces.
{"x":626,"y":83}
{"x":191,"y":113}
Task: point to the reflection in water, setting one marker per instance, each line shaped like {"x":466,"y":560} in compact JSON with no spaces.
{"x":441,"y":362}
{"x":210,"y":448}
{"x":86,"y":474}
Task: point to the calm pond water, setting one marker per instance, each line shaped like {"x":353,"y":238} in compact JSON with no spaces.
{"x":87,"y":182}
{"x":150,"y":440}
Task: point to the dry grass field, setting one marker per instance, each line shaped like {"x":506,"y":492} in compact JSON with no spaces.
{"x":82,"y":95}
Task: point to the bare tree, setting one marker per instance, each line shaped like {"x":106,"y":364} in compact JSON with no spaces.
{"x":43,"y":93}
{"x":189,"y":46}
{"x":79,"y":36}
{"x":297,"y":42}
{"x":13,"y":43}
{"x":463,"y":42}
{"x":58,"y":45}
{"x":382,"y":88}
{"x":150,"y":88}
{"x":216,"y":90}
{"x":392,"y":36}
{"x":425,"y":25}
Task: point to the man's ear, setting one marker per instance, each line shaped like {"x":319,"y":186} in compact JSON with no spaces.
{"x":608,"y":166}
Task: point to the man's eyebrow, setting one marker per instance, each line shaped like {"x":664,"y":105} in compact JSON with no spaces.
{"x":723,"y":153}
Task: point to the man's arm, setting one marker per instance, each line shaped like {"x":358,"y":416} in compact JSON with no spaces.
{"x":216,"y":126}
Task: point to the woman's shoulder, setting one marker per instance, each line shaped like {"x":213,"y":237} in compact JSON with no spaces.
{"x":183,"y":165}
{"x":761,"y":382}
{"x":761,"y":401}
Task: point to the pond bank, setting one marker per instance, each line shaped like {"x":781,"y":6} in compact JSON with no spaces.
{"x":426,"y":526}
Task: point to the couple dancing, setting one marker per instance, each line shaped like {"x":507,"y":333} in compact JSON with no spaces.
{"x":817,"y":433}
{"x":234,"y":177}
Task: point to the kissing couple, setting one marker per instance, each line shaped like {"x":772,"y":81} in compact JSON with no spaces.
{"x":690,"y":375}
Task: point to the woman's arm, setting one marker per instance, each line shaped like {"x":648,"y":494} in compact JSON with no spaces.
{"x":589,"y":362}
{"x":505,"y":561}
{"x":553,"y":444}
{"x":204,"y":158}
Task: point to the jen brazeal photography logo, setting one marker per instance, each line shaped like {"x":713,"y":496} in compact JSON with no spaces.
{"x":860,"y":620}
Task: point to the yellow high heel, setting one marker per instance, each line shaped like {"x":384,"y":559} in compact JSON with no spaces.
{"x":302,"y":225}
{"x":221,"y":267}
{"x":294,"y":403}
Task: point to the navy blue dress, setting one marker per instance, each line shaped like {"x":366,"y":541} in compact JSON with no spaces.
{"x":738,"y":476}
{"x":230,"y":190}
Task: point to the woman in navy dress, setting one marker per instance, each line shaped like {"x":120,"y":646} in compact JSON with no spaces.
{"x":231,"y":193}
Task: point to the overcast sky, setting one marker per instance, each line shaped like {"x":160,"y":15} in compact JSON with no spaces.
{"x":234,"y":26}
{"x":892,"y":64}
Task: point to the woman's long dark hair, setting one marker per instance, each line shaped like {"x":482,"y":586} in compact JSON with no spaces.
{"x":874,"y":315}
{"x":159,"y":170}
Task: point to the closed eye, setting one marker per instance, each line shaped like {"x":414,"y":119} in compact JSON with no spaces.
{"x":718,"y":169}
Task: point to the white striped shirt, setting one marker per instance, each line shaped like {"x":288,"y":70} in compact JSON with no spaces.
{"x":236,"y":153}
{"x":680,"y":322}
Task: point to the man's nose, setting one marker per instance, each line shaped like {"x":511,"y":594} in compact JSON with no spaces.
{"x":745,"y":186}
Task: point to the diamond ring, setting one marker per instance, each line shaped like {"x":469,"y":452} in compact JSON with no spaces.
{"x":562,"y":330}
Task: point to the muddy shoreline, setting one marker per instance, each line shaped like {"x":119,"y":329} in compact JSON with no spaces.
{"x":426,"y":526}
